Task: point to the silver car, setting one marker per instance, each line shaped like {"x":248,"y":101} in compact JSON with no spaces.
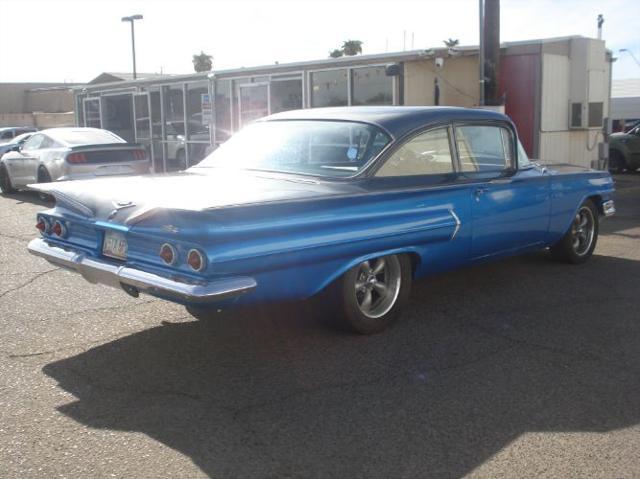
{"x":68,"y":154}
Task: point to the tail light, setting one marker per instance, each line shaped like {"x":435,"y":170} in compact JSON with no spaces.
{"x":77,"y":158}
{"x":43,"y":225}
{"x":140,"y":154}
{"x":59,"y":229}
{"x":168,"y":253}
{"x":195,"y":260}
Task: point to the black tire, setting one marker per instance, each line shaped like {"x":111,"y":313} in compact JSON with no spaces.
{"x":5,"y":181}
{"x":44,"y":177}
{"x":384,"y":308}
{"x":616,"y":162}
{"x":578,"y":243}
{"x":181,"y":159}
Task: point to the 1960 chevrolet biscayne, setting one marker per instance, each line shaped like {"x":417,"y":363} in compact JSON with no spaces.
{"x":352,"y":202}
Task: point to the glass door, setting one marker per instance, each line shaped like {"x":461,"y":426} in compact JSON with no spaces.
{"x":92,"y":112}
{"x":253,"y":102}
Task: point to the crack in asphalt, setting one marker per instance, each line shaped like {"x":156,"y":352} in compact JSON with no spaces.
{"x":25,"y":236}
{"x":83,"y":344}
{"x":585,"y":356}
{"x":27,"y":283}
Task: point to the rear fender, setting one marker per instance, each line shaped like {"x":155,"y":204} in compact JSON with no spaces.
{"x":356,"y":261}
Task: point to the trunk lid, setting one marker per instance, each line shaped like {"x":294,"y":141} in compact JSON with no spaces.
{"x":127,"y":199}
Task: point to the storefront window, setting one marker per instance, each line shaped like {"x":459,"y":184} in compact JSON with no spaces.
{"x":199,"y":112}
{"x":222,"y":107}
{"x":286,"y":94}
{"x":371,"y":86}
{"x":329,"y":88}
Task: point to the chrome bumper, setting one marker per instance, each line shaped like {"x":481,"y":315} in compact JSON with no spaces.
{"x":609,"y":208}
{"x":133,"y":280}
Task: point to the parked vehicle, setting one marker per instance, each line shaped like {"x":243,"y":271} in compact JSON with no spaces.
{"x":624,"y":150}
{"x":9,"y":133}
{"x":15,"y":143}
{"x":70,"y":154}
{"x":355,"y":203}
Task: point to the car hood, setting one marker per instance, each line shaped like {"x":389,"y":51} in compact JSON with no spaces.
{"x":128,"y":199}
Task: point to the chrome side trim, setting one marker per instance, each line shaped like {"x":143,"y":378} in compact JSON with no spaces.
{"x":609,"y":208}
{"x":458,"y":223}
{"x":99,"y":271}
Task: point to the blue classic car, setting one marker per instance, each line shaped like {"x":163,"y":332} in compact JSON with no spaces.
{"x":355,"y":203}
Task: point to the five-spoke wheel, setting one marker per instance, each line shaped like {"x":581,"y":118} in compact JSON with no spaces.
{"x":578,"y":243}
{"x":372,"y":293}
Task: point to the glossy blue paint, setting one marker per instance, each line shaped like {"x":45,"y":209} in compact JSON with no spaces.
{"x":296,"y":235}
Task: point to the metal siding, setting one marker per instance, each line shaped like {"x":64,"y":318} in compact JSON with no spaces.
{"x":555,"y":93}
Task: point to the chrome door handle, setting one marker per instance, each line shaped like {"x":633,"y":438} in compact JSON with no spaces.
{"x":479,"y":191}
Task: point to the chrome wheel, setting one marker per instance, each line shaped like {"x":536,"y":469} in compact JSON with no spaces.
{"x":377,"y":284}
{"x":582,"y":231}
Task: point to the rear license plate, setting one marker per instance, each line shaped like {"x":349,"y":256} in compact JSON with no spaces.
{"x":115,"y":245}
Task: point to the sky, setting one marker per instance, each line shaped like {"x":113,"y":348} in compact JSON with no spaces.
{"x":76,"y":40}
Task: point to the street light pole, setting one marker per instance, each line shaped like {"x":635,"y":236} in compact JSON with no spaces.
{"x":630,"y":53}
{"x":131,"y":20}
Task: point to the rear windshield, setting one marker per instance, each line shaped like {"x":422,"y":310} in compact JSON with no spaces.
{"x":86,"y":137}
{"x":320,"y":148}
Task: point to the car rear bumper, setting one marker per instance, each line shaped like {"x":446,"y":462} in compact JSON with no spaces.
{"x":133,"y":280}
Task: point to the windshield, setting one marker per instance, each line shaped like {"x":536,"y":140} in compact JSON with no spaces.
{"x":322,"y":148}
{"x":523,"y":159}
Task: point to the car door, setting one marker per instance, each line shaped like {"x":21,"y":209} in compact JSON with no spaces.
{"x":421,"y":172}
{"x":633,"y":144}
{"x":510,"y":205}
{"x":23,"y":163}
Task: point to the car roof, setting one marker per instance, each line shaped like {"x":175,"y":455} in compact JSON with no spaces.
{"x":397,"y":120}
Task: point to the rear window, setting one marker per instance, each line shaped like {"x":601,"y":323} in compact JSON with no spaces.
{"x":87,"y":137}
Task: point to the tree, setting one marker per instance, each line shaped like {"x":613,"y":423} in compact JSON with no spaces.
{"x":451,"y":42}
{"x":352,"y":47}
{"x":202,"y":62}
{"x":337,"y":53}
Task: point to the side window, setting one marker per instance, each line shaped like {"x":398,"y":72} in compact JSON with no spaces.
{"x":7,"y":135}
{"x":484,"y":149}
{"x":33,"y":143}
{"x":46,"y":142}
{"x":428,"y":153}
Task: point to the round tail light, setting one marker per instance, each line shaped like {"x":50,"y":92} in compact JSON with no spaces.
{"x":195,"y":260}
{"x":59,"y":229}
{"x":168,"y":253}
{"x":43,"y":225}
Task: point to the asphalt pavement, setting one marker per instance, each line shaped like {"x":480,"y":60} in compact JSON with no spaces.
{"x":521,"y":368}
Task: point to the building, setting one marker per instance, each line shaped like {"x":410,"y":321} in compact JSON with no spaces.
{"x":43,"y":105}
{"x":625,"y":103}
{"x":556,"y":91}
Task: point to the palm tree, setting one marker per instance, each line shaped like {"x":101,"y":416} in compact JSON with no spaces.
{"x":352,"y":47}
{"x":337,"y":53}
{"x":202,"y":62}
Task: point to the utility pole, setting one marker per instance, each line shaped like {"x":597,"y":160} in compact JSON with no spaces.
{"x":131,"y":20}
{"x":481,"y":52}
{"x":491,"y":45}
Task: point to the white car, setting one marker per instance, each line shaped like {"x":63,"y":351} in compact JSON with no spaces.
{"x":60,"y":154}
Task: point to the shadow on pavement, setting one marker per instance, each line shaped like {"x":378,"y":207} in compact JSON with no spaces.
{"x":481,"y":357}
{"x":29,"y":197}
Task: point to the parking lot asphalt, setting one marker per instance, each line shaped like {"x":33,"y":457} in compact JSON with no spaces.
{"x":521,"y":368}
